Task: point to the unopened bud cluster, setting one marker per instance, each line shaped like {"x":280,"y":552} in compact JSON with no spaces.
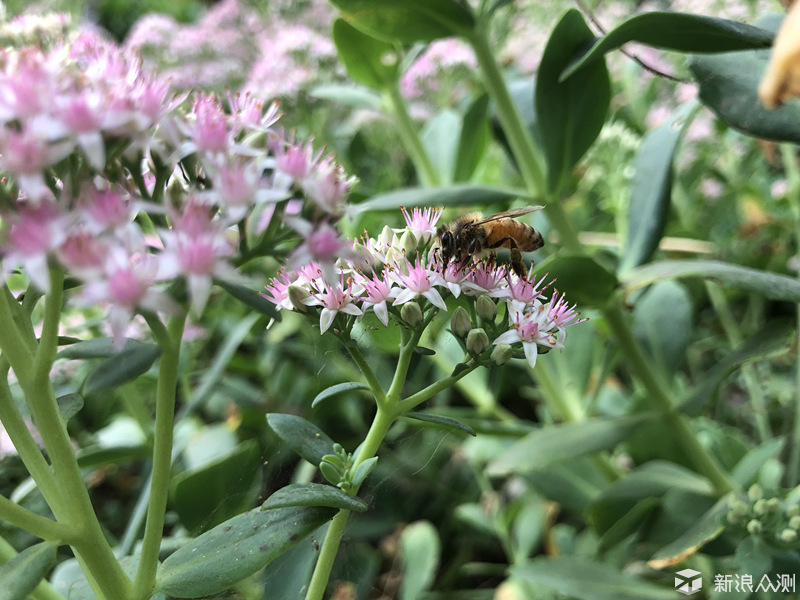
{"x":775,"y":520}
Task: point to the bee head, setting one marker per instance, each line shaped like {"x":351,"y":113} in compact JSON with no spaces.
{"x":447,"y":242}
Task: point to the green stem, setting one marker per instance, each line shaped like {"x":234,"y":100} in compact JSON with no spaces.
{"x":657,"y":395}
{"x":40,"y":526}
{"x":43,"y":591}
{"x":73,"y":507}
{"x":369,"y":374}
{"x":28,"y":449}
{"x":327,"y":554}
{"x":409,"y":135}
{"x":424,"y":394}
{"x":789,"y":157}
{"x":755,"y":391}
{"x":408,"y":341}
{"x":162,"y":459}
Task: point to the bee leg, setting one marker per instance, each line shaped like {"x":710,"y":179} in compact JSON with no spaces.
{"x":516,"y":255}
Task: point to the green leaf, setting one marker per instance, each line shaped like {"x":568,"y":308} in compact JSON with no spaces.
{"x":347,"y":95}
{"x":313,"y":494}
{"x":570,"y":114}
{"x":337,"y":389}
{"x":125,"y":366}
{"x":663,"y":323}
{"x":772,"y":339}
{"x":250,"y":298}
{"x":420,"y":549}
{"x":581,"y":278}
{"x":522,"y":91}
{"x":729,"y":86}
{"x":206,"y":496}
{"x":331,"y":473}
{"x":753,"y":557}
{"x":551,"y":444}
{"x":473,"y":140}
{"x":69,"y":405}
{"x":408,"y":20}
{"x":453,"y":195}
{"x":746,"y":470}
{"x":70,"y":581}
{"x":236,"y":549}
{"x":695,"y":537}
{"x":651,"y":480}
{"x":97,"y":348}
{"x":441,"y":422}
{"x":676,"y":31}
{"x":651,"y":190}
{"x":362,"y":470}
{"x":22,"y":574}
{"x":369,"y":61}
{"x":305,"y":438}
{"x":631,"y":522}
{"x":588,"y":580}
{"x":769,"y":285}
{"x":440,"y":136}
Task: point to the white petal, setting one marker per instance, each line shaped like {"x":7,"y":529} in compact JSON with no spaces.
{"x":382,"y":312}
{"x":435,"y":298}
{"x":509,"y":337}
{"x":199,"y":290}
{"x":531,"y":351}
{"x":325,"y":319}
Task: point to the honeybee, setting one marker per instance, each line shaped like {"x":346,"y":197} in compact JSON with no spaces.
{"x":473,"y":234}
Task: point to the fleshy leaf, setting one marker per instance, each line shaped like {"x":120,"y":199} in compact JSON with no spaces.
{"x":651,"y":190}
{"x":453,"y":195}
{"x":570,"y":114}
{"x":543,"y":447}
{"x":338,"y":389}
{"x":23,"y":573}
{"x":769,"y":285}
{"x":702,"y":532}
{"x":676,"y":31}
{"x":442,"y":422}
{"x":305,"y":438}
{"x":420,"y":548}
{"x":236,"y":549}
{"x":581,"y":278}
{"x":69,"y":405}
{"x":729,"y":86}
{"x":127,"y":365}
{"x":473,"y":140}
{"x":250,"y":298}
{"x":369,"y":61}
{"x":585,"y":579}
{"x":408,"y":20}
{"x":313,"y":494}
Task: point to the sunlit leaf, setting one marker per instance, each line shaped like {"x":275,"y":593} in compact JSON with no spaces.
{"x":453,"y":195}
{"x":369,"y":61}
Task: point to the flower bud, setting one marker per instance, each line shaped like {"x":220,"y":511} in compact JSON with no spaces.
{"x":788,"y":536}
{"x":755,"y":492}
{"x":793,"y":510}
{"x":760,"y":507}
{"x":411,"y":313}
{"x":408,"y":243}
{"x":773,"y":505}
{"x":297,"y":295}
{"x":460,"y":323}
{"x":737,"y":507}
{"x":477,"y":341}
{"x":501,"y":354}
{"x":754,"y":527}
{"x":487,"y":309}
{"x":794,"y":522}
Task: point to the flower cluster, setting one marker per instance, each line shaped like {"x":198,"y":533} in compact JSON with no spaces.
{"x":123,"y":184}
{"x":400,"y":275}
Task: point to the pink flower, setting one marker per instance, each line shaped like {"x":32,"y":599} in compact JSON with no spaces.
{"x":278,"y":291}
{"x":26,"y":154}
{"x":422,"y":223}
{"x":485,"y":279}
{"x":378,"y":291}
{"x":322,"y":243}
{"x":531,"y":330}
{"x":334,"y":300}
{"x":414,"y":281}
{"x":327,"y":186}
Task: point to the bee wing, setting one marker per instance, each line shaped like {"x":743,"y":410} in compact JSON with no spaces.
{"x":509,"y":214}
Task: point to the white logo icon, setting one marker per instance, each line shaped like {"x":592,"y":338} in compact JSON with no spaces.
{"x":688,"y":581}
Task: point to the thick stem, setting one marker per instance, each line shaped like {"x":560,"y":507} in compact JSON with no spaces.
{"x":162,"y":459}
{"x":327,"y":554}
{"x":409,"y":135}
{"x":38,"y":525}
{"x":657,"y":395}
